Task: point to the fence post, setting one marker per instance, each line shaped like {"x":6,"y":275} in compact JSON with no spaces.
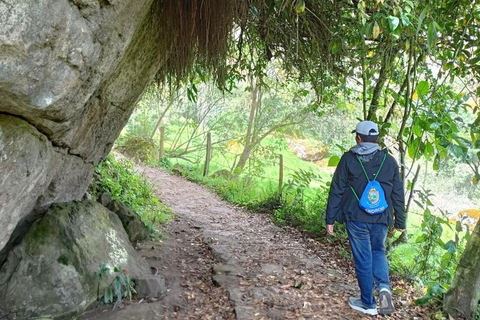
{"x":280,"y":174}
{"x":162,"y":141}
{"x":208,"y":155}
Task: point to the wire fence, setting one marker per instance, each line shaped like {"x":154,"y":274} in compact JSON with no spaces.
{"x":210,"y":157}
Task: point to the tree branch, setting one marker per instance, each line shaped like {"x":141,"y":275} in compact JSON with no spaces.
{"x":389,"y":56}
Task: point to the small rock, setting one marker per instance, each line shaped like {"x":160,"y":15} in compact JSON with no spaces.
{"x":105,"y":199}
{"x":150,"y":286}
{"x":244,"y":313}
{"x":276,"y":314}
{"x":220,"y":280}
{"x":227,"y":269}
{"x":261,"y":293}
{"x":235,"y":295}
{"x":87,"y":196}
{"x":272,"y":268}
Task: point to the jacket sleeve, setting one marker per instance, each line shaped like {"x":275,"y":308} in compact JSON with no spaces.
{"x":337,"y":189}
{"x":398,"y":200}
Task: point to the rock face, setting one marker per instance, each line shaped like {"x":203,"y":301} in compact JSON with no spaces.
{"x":71,"y":72}
{"x":52,"y":272}
{"x":31,"y":167}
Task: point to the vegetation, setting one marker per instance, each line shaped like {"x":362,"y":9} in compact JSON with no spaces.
{"x":119,"y":179}
{"x":140,"y":149}
{"x":120,"y":287}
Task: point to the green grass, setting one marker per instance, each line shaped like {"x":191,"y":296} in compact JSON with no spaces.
{"x":265,"y":177}
{"x":119,"y":179}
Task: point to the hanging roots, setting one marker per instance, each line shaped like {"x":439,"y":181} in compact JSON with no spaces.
{"x":196,"y":32}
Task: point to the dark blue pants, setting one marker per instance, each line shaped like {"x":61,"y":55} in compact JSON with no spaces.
{"x":368,"y":247}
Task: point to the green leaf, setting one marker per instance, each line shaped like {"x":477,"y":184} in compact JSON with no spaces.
{"x":300,"y":7}
{"x":421,"y":238}
{"x":108,"y":296}
{"x":434,"y":126}
{"x":409,"y":185}
{"x":423,"y":88}
{"x":118,"y":288}
{"x":369,"y":29}
{"x":333,"y":161}
{"x":375,"y":30}
{"x":405,"y":20}
{"x":429,"y":150}
{"x":334,"y":46}
{"x":438,"y":289}
{"x":456,"y":150}
{"x":431,"y":35}
{"x":450,"y":246}
{"x":417,"y":130}
{"x":421,"y":18}
{"x":436,"y":162}
{"x":412,"y":148}
{"x":342,"y":148}
{"x":393,"y":22}
{"x":424,"y":300}
{"x":418,"y":203}
{"x":458,"y":226}
{"x":441,"y":243}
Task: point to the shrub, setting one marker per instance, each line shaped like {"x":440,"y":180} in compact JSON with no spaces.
{"x":120,"y":180}
{"x":139,"y":149}
{"x":120,"y":287}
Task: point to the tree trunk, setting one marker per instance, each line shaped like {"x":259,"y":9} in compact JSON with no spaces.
{"x":461,"y":299}
{"x":387,"y":61}
{"x":249,"y":138}
{"x":160,"y":118}
{"x":244,"y":158}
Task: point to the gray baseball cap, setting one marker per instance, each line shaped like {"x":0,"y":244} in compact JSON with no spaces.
{"x":367,"y":128}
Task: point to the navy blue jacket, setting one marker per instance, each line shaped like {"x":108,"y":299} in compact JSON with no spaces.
{"x":342,"y":203}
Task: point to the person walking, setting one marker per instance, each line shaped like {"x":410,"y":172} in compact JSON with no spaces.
{"x":367,"y":227}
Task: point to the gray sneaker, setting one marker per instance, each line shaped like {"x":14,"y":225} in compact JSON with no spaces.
{"x":386,"y":305}
{"x":357,"y":304}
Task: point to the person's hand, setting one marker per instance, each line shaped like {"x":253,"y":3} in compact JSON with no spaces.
{"x":330,"y":229}
{"x":401,"y":230}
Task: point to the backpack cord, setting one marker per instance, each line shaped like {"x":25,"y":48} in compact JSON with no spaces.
{"x":366,"y":175}
{"x":381,"y":165}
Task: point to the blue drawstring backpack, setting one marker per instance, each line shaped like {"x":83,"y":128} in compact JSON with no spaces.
{"x":373,"y":199}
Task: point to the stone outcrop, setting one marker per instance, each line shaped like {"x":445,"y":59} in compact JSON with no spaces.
{"x":71,"y":72}
{"x":52,"y":272}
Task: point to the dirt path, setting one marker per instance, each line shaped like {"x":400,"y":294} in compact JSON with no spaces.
{"x":221,"y":262}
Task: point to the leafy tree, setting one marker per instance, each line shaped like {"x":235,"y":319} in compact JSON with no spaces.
{"x":269,"y":114}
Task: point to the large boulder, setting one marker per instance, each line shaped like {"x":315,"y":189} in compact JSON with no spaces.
{"x":71,"y":72}
{"x":32,"y":174}
{"x":52,"y":272}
